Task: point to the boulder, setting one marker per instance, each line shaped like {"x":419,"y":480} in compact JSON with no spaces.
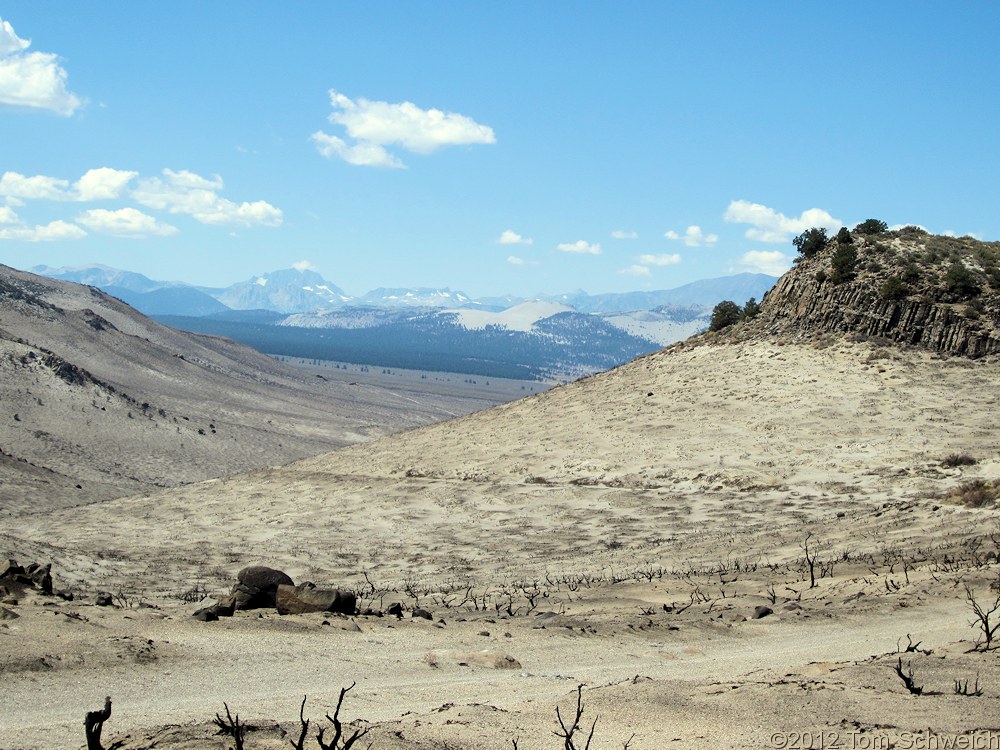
{"x":225,"y":606}
{"x":422,"y":613}
{"x":103,"y":599}
{"x":395,"y":609}
{"x":205,"y":614}
{"x":258,"y":585}
{"x":41,"y":577}
{"x":9,"y":568}
{"x":762,"y":611}
{"x":294,"y":600}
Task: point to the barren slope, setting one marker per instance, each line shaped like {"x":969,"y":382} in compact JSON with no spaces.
{"x":98,"y":401}
{"x":652,"y":508}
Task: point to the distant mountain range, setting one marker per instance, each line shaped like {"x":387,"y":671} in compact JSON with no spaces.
{"x":303,"y":291}
{"x":299,"y":313}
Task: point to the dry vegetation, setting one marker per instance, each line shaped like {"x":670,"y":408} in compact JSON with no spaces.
{"x":721,"y":548}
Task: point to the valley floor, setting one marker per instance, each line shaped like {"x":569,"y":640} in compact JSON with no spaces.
{"x":619,"y":533}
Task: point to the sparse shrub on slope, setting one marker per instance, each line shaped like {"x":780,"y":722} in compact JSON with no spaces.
{"x":724,"y":314}
{"x":810,"y":241}
{"x":845,"y":262}
{"x":962,"y":281}
{"x":871,"y":226}
{"x":844,"y":236}
{"x":893,"y":288}
{"x":751,"y":309}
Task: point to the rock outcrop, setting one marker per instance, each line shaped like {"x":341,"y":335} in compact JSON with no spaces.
{"x":907,"y":286}
{"x":799,"y":301}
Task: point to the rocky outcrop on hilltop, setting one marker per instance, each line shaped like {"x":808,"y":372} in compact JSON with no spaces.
{"x":909,"y":287}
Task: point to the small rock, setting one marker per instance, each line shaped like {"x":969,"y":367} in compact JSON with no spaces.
{"x":6,"y":614}
{"x":422,"y":613}
{"x":205,"y":614}
{"x":762,"y":611}
{"x":395,"y":609}
{"x":103,"y":599}
{"x":485,"y":633}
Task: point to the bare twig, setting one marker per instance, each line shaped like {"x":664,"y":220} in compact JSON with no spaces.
{"x":338,"y":728}
{"x":231,"y":726}
{"x":567,"y":732}
{"x":93,"y":724}
{"x":304,"y":722}
{"x":907,"y":677}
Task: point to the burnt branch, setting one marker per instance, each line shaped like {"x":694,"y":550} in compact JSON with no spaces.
{"x":304,"y":723}
{"x":567,"y":732}
{"x":93,"y":724}
{"x":907,"y":677}
{"x":231,"y":726}
{"x":338,"y":743}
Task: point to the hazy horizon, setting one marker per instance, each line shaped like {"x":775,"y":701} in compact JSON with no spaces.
{"x":497,"y":150}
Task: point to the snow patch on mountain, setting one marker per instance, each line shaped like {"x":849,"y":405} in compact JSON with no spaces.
{"x":521,"y":317}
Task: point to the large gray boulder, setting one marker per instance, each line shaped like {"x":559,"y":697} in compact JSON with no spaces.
{"x":294,"y":600}
{"x":258,"y":585}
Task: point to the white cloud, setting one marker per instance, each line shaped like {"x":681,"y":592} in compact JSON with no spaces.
{"x":56,"y":230}
{"x":580,"y":246}
{"x":39,"y":187}
{"x":360,"y":154}
{"x":373,"y":125}
{"x":185,"y":192}
{"x":7,"y":215}
{"x":10,"y":43}
{"x":767,"y":225}
{"x":103,"y":183}
{"x":693,"y":237}
{"x":32,"y":79}
{"x":636,"y":270}
{"x":771,"y":262}
{"x":510,"y":237}
{"x":125,"y":222}
{"x":304,"y":265}
{"x":665,"y":259}
{"x":515,"y":261}
{"x":621,"y":234}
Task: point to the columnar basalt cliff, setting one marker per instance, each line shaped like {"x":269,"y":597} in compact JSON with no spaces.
{"x":938,"y":293}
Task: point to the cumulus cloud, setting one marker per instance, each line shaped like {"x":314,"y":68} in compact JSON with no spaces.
{"x":56,"y":230}
{"x":7,"y":215}
{"x":103,"y":183}
{"x":39,"y":187}
{"x":664,"y":259}
{"x":580,"y":246}
{"x":373,"y":125}
{"x":771,"y":262}
{"x":360,"y":154}
{"x":185,"y":192}
{"x":693,"y":237}
{"x":636,"y":270}
{"x":304,"y":265}
{"x":767,"y":225}
{"x":125,"y":222}
{"x":621,"y":234}
{"x":510,"y":237}
{"x":32,"y":79}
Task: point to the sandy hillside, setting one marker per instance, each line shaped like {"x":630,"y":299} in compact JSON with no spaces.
{"x":98,"y":401}
{"x":618,"y":532}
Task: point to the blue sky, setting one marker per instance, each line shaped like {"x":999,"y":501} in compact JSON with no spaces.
{"x":520,"y":147}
